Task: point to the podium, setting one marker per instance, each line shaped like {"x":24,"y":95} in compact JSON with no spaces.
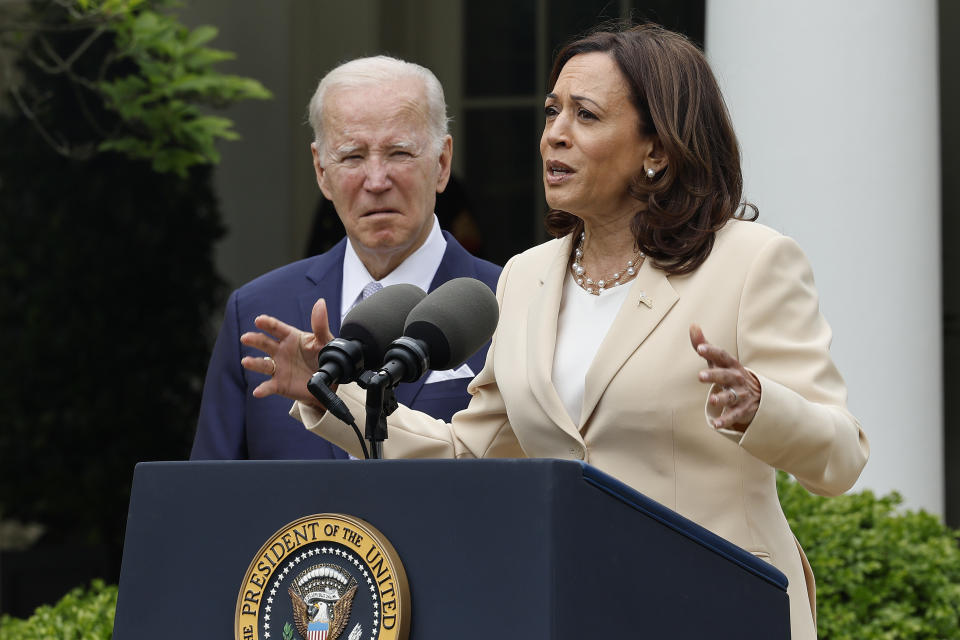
{"x":532,"y":549}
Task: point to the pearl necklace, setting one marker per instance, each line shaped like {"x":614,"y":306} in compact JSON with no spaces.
{"x":586,"y":282}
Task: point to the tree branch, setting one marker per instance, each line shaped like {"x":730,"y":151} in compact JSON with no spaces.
{"x":62,"y":148}
{"x":64,"y":65}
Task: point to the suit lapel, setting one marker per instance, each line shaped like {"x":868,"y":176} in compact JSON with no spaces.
{"x":456,"y":263}
{"x":326,"y":274}
{"x":542,"y":316}
{"x":650,"y":297}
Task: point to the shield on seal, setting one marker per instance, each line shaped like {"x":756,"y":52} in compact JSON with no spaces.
{"x":317,"y":630}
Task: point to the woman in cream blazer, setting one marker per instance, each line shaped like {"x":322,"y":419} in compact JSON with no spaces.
{"x":645,"y":417}
{"x":712,"y":369}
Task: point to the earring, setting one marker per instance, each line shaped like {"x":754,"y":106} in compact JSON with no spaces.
{"x":651,"y":173}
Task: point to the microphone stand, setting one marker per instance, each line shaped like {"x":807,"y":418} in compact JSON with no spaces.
{"x":381,"y":402}
{"x":406,"y":359}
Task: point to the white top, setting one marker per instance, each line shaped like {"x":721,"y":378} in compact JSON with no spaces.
{"x":584,"y":321}
{"x":418,"y":269}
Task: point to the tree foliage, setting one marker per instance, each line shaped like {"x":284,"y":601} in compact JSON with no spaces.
{"x":155,"y":80}
{"x":107,"y":225}
{"x":883,"y":573}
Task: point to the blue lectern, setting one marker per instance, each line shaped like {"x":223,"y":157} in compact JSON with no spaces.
{"x":532,"y":549}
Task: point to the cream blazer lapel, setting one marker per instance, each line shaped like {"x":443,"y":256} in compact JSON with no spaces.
{"x":650,"y":298}
{"x":542,"y":316}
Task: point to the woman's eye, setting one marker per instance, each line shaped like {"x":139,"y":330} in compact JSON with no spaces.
{"x":550,"y":111}
{"x":586,"y":115}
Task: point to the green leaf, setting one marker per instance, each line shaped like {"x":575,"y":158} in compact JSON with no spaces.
{"x":200,"y":36}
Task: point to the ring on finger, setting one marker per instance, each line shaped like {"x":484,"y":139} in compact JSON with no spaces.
{"x":730,"y":389}
{"x":273,"y":362}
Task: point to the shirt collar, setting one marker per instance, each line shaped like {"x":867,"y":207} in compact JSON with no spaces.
{"x":418,"y":269}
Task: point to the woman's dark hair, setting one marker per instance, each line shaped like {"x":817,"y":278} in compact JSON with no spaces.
{"x":678,"y":100}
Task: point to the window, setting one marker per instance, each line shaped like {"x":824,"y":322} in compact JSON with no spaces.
{"x":508,"y":48}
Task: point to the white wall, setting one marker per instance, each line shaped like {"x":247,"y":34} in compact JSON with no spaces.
{"x":836,"y":108}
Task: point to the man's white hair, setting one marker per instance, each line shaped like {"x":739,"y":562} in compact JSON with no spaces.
{"x":376,"y":70}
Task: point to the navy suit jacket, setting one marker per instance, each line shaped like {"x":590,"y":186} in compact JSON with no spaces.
{"x":234,"y":425}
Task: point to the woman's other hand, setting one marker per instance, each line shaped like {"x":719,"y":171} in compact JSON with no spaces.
{"x":739,"y":396}
{"x":291,"y":354}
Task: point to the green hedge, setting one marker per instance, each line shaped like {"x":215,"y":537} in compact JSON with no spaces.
{"x":883,"y":573}
{"x":79,"y":615}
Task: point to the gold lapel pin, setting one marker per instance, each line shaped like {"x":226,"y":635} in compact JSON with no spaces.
{"x":645,"y":300}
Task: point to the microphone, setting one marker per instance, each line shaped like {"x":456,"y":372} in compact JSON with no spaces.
{"x":365,"y":336}
{"x":442,"y":331}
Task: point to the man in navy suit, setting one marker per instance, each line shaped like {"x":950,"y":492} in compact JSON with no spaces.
{"x":381,"y":152}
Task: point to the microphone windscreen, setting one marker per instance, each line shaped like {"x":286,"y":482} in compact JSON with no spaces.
{"x":379,"y":319}
{"x":455,"y":320}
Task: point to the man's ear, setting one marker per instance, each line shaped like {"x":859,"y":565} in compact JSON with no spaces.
{"x":319,"y":170}
{"x":445,"y":161}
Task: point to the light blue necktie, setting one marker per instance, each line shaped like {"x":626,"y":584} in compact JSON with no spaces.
{"x":368,"y":291}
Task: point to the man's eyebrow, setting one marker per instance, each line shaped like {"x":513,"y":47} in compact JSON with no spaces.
{"x":577,"y":98}
{"x":347,"y":149}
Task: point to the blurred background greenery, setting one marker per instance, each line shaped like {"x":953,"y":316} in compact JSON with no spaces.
{"x":108,"y":220}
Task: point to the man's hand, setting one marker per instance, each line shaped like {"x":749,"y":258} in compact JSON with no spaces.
{"x":291,"y":354}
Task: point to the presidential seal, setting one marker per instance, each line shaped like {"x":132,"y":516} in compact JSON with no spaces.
{"x":324,"y":577}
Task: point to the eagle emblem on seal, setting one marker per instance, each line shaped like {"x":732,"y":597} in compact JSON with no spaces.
{"x":322,"y":596}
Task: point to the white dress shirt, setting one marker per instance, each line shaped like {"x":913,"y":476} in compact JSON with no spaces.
{"x":582,"y":325}
{"x":418,"y":269}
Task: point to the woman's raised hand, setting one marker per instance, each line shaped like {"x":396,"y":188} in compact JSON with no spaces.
{"x":291,"y":357}
{"x":739,"y":397}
